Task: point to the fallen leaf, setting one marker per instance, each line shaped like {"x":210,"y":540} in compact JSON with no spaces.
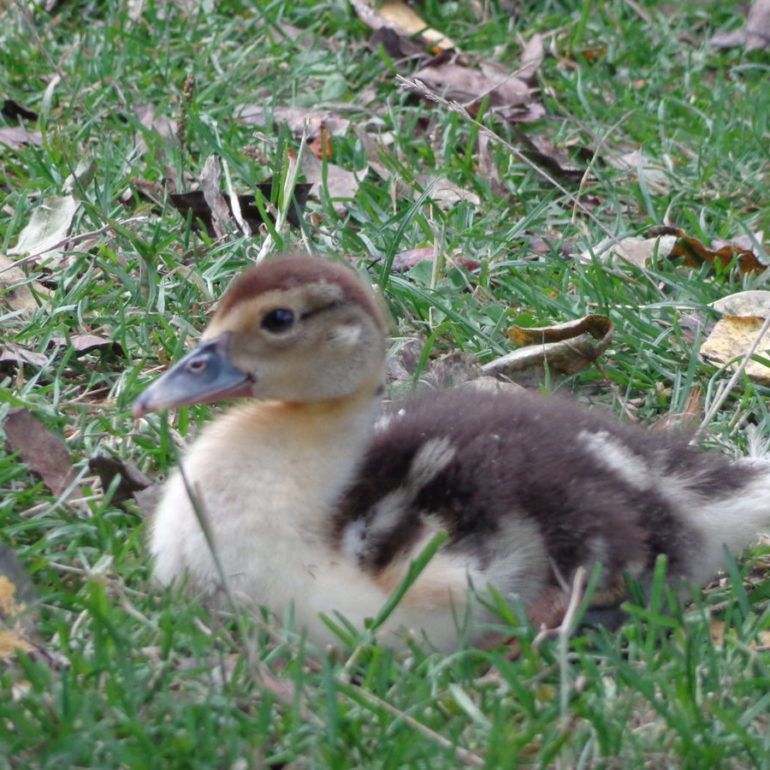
{"x":397,"y":15}
{"x":468,"y":85}
{"x":445,"y":192}
{"x":532,"y":57}
{"x":546,"y":155}
{"x":11,"y":353}
{"x":564,"y":348}
{"x":322,"y":146}
{"x":46,"y":232}
{"x":222,"y":220}
{"x":18,"y":136}
{"x":195,"y":202}
{"x":672,"y":243}
{"x":17,"y":596}
{"x":17,"y":292}
{"x":650,"y":174}
{"x":636,"y":250}
{"x":164,"y":127}
{"x":399,"y":47}
{"x":687,"y":420}
{"x":331,"y":179}
{"x":754,"y":35}
{"x":406,"y":260}
{"x":12,"y":110}
{"x":296,"y":118}
{"x":44,"y":454}
{"x":87,"y":343}
{"x":132,"y":480}
{"x":743,"y":315}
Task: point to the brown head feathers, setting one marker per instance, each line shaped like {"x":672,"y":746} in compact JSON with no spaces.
{"x":296,"y":271}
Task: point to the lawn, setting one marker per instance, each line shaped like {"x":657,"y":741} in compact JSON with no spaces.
{"x":131,"y":99}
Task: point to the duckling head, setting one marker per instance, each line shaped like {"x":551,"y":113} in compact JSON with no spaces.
{"x":297,"y":329}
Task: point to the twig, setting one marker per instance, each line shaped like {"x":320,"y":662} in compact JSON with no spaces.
{"x":731,"y":383}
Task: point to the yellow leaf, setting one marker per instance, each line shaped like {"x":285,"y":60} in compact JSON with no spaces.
{"x":399,"y":16}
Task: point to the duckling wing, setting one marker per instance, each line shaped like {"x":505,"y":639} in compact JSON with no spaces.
{"x":530,"y":488}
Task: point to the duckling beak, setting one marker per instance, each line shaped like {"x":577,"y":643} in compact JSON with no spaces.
{"x":203,"y":375}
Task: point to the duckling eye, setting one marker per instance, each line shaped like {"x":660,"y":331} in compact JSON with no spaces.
{"x":197,"y":365}
{"x":279,"y":320}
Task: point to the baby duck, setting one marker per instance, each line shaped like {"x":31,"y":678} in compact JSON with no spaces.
{"x":317,"y":500}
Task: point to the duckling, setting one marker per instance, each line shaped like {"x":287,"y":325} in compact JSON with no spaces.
{"x":318,"y":500}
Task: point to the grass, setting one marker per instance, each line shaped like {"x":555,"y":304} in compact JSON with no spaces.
{"x":141,"y":678}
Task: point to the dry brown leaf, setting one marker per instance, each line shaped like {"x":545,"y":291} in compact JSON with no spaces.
{"x":636,"y":250}
{"x":672,"y":243}
{"x":445,"y":192}
{"x":532,"y":57}
{"x":18,"y":136}
{"x":650,"y":174}
{"x":46,"y":232}
{"x":132,"y":480}
{"x":16,"y":355}
{"x":44,"y":454}
{"x":17,"y":292}
{"x":296,"y":118}
{"x":322,"y":146}
{"x":563,"y":348}
{"x":328,"y":178}
{"x":743,"y":315}
{"x":17,"y":595}
{"x":755,"y":35}
{"x":195,"y":203}
{"x":468,"y":85}
{"x":222,"y":221}
{"x":12,"y":110}
{"x":87,"y":343}
{"x":397,"y":15}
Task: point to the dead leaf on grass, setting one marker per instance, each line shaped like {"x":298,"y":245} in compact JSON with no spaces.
{"x":672,"y":243}
{"x":406,"y":260}
{"x":296,"y":118}
{"x":12,"y":110}
{"x":194,"y":202}
{"x":545,"y":154}
{"x":222,"y":221}
{"x":399,"y":47}
{"x":564,"y":348}
{"x":45,"y":234}
{"x":754,"y":36}
{"x":329,"y":178}
{"x":17,"y":597}
{"x":17,"y":292}
{"x":650,"y":173}
{"x":42,"y":452}
{"x":445,"y":192}
{"x":16,"y":355}
{"x":633,"y":249}
{"x":743,"y":315}
{"x":18,"y":136}
{"x":131,"y":479}
{"x":509,"y":96}
{"x":397,"y":15}
{"x":86,"y":343}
